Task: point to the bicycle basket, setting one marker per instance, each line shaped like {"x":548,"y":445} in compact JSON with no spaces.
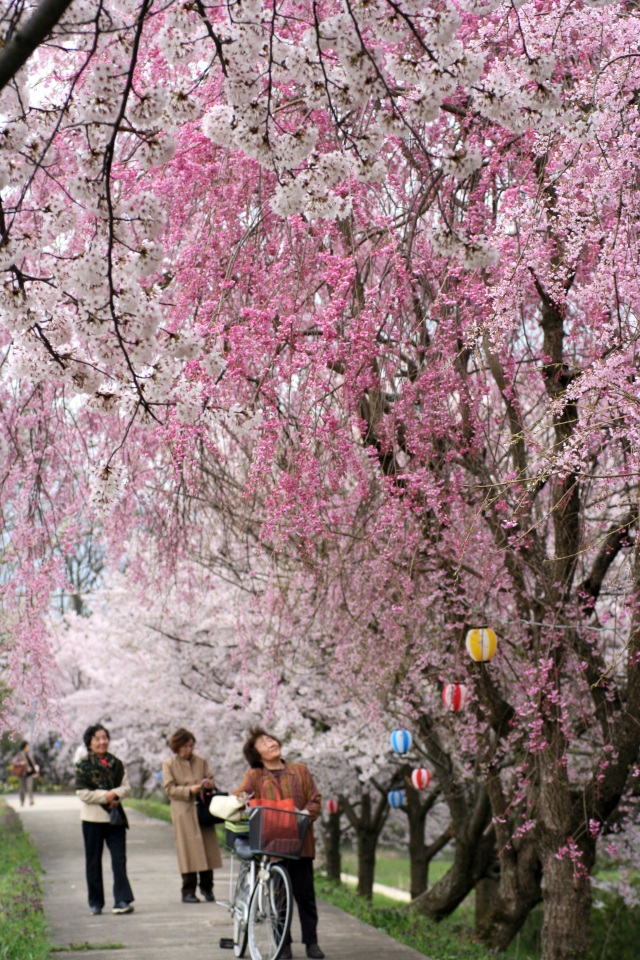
{"x":279,"y":833}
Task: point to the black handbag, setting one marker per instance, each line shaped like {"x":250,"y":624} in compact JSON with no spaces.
{"x":117,"y":816}
{"x":203,"y":799}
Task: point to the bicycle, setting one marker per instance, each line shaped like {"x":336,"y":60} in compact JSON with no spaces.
{"x":262,"y":899}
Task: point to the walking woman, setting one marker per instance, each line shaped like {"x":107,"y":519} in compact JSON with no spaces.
{"x":101,"y":785}
{"x":183,"y":777}
{"x":272,"y":778}
{"x":26,"y":771}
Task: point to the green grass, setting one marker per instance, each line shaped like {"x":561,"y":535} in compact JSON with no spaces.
{"x":23,"y":929}
{"x":449,"y":940}
{"x":393,"y":869}
{"x":81,"y":947}
{"x":151,"y":808}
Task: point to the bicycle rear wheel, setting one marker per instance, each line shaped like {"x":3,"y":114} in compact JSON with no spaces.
{"x":270,"y":914}
{"x":241,"y":909}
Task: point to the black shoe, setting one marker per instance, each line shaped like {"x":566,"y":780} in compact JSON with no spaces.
{"x":208,"y":896}
{"x":285,"y":953}
{"x":190,"y":898}
{"x":95,"y":911}
{"x":123,"y":908}
{"x":314,"y":951}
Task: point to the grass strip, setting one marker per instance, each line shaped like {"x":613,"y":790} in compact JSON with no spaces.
{"x":81,"y":947}
{"x":150,"y":807}
{"x":445,"y":941}
{"x":23,"y":928}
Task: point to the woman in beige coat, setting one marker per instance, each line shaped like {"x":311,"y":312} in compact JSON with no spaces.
{"x":183,"y":776}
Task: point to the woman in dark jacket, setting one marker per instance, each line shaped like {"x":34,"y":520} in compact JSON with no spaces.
{"x":272,"y":778}
{"x":101,"y":785}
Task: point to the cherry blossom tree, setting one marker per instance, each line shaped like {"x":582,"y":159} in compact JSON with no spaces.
{"x":390,"y":253}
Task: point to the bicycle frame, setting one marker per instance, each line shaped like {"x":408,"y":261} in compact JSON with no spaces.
{"x":260,"y":906}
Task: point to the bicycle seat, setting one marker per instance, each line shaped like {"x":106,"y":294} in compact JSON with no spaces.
{"x":243,"y":849}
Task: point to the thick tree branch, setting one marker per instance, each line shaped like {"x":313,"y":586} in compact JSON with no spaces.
{"x":28,"y":38}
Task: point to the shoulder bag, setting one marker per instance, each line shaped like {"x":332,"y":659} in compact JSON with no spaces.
{"x":203,"y":800}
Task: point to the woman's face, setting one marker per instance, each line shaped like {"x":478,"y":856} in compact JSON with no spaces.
{"x":186,"y":750}
{"x":268,"y":748}
{"x":99,"y":743}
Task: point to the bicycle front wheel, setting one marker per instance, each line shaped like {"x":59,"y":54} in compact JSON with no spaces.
{"x":270,"y":914}
{"x":241,"y":910}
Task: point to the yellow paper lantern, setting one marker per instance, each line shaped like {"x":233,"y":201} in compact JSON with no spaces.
{"x":481,"y":644}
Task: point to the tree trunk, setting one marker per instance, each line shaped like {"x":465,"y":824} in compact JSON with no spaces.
{"x":367,"y":843}
{"x":332,"y":857}
{"x":419,"y":864}
{"x":567,"y":910}
{"x":474,"y":850}
{"x":503,"y":905}
{"x":486,"y":896}
{"x":368,"y":827}
{"x":469,"y":865}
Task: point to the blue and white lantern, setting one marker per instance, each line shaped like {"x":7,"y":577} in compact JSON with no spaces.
{"x":401,"y":741}
{"x":396,"y":798}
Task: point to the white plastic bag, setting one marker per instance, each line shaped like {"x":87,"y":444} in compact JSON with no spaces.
{"x":227,"y":808}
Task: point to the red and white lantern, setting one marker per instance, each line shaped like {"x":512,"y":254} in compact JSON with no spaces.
{"x":454,"y":696}
{"x":331,"y":806}
{"x":421,"y":778}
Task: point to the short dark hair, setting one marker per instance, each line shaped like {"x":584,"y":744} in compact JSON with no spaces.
{"x":25,"y":743}
{"x":180,"y":738}
{"x":249,"y":749}
{"x":91,"y":731}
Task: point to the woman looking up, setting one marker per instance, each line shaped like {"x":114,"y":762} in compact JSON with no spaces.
{"x":272,"y":778}
{"x":183,"y":777}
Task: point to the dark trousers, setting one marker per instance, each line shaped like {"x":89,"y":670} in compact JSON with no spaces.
{"x":190,"y":882}
{"x":95,"y":836}
{"x":301,"y":873}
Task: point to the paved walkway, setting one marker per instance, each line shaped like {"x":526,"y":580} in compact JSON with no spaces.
{"x":162,"y":928}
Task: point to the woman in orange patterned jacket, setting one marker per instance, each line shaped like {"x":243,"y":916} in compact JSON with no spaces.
{"x":272,"y":778}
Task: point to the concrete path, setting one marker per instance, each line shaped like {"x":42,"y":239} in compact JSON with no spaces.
{"x":162,"y":927}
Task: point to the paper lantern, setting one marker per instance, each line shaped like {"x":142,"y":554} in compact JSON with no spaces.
{"x":401,"y":741}
{"x":454,"y":696}
{"x":331,"y":806}
{"x":481,"y":644}
{"x":421,"y":778}
{"x":396,"y":798}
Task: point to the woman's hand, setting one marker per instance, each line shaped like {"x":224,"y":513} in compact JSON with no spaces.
{"x":195,"y":788}
{"x":111,"y":796}
{"x":207,"y":783}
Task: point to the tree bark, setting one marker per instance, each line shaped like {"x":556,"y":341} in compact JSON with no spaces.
{"x":504,"y":904}
{"x":567,"y":910}
{"x":368,"y":827}
{"x":367,"y":844}
{"x":419,"y":865}
{"x":28,"y":38}
{"x":332,"y":856}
